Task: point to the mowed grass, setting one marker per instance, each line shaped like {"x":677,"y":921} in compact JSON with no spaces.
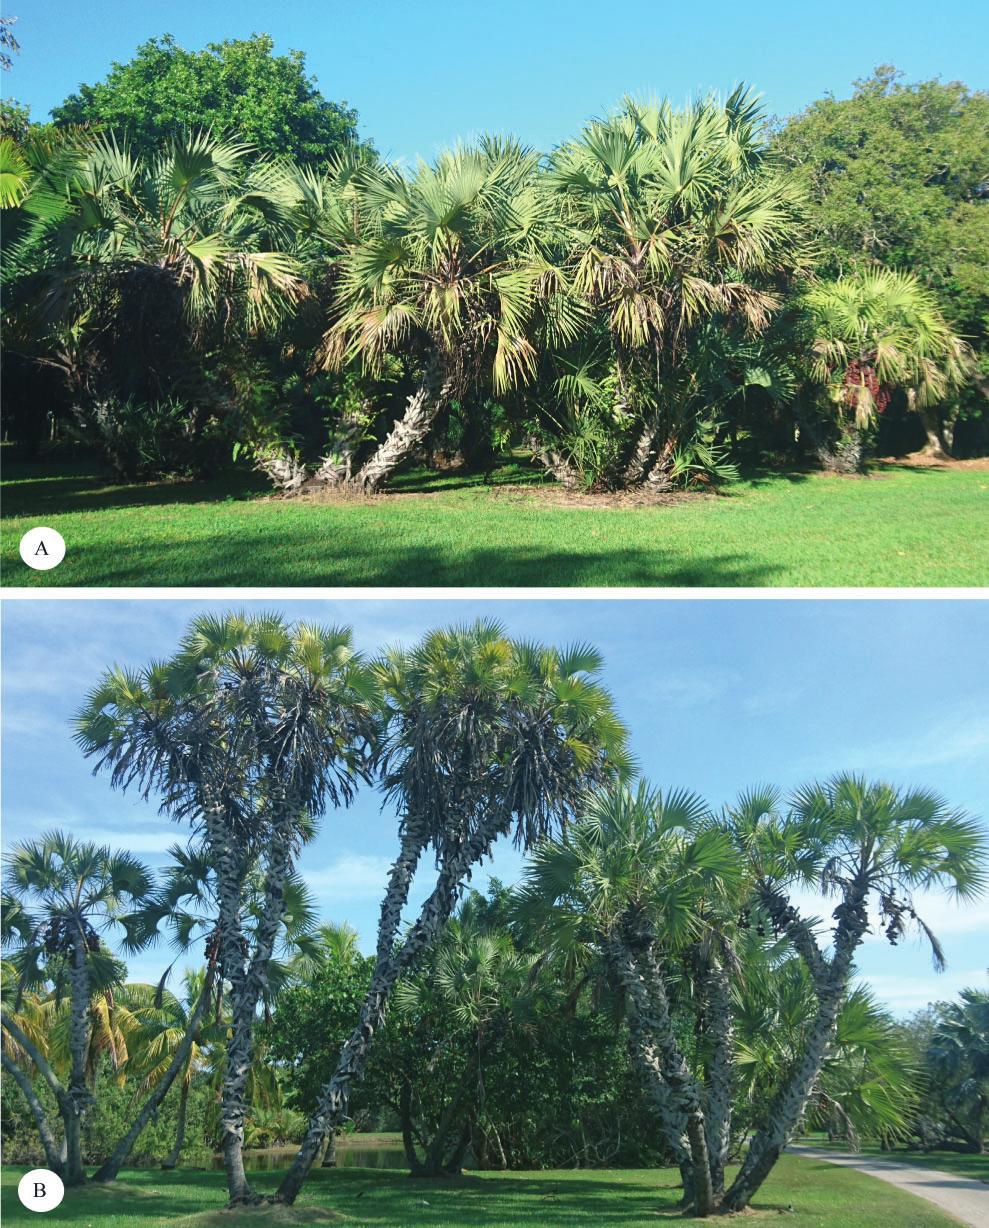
{"x":802,"y":1193}
{"x":897,"y":527}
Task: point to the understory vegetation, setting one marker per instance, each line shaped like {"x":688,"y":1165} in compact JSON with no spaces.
{"x":195,"y":282}
{"x":649,"y":994}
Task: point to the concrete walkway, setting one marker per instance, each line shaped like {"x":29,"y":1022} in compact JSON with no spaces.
{"x":965,"y":1199}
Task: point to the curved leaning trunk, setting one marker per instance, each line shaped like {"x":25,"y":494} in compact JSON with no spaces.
{"x":172,"y":1159}
{"x":109,"y":1169}
{"x":421,"y":411}
{"x":50,"y":1146}
{"x":331,"y":1109}
{"x":832,"y":982}
{"x":642,"y":981}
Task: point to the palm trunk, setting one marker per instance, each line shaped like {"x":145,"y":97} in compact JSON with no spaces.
{"x":720,"y":1073}
{"x":331,"y":1108}
{"x":172,"y":1160}
{"x":111,"y":1167}
{"x":48,"y":1143}
{"x":832,"y":983}
{"x":228,"y":867}
{"x":637,"y":469}
{"x":421,"y":411}
{"x":79,"y":1096}
{"x":672,"y":1123}
{"x":642,"y":981}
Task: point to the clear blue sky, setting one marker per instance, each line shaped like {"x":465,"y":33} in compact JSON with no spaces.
{"x":423,"y":73}
{"x":718,"y":695}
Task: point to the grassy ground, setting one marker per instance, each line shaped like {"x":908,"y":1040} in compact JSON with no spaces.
{"x":898,"y":527}
{"x":809,"y":1193}
{"x":972,"y":1166}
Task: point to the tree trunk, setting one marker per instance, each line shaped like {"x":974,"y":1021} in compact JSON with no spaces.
{"x":421,"y":411}
{"x":846,"y":456}
{"x":331,"y":1108}
{"x":51,"y":1149}
{"x":788,"y":1107}
{"x":642,"y":981}
{"x":172,"y":1159}
{"x":720,"y":1073}
{"x":109,"y":1169}
{"x":228,"y":867}
{"x":637,"y":469}
{"x":79,"y":1097}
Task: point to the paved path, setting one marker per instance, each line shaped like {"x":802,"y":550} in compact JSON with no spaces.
{"x":965,"y":1199}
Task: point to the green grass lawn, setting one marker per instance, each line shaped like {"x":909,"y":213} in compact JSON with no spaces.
{"x":820,"y":1195}
{"x":898,"y":527}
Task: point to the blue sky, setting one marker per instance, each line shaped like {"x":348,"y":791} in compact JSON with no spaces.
{"x":423,"y":74}
{"x":718,"y":695}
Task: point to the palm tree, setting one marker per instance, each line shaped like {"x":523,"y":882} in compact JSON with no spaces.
{"x":864,"y":843}
{"x":450,"y":267}
{"x":475,"y":976}
{"x":483,"y":737}
{"x":66,"y":894}
{"x":958,"y":1052}
{"x":249,"y":732}
{"x":872,"y":332}
{"x":634,"y":876}
{"x":128,"y":271}
{"x":674,"y":218}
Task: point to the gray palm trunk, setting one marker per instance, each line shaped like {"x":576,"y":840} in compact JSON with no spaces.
{"x":421,"y":411}
{"x":831,"y":977}
{"x":390,"y":964}
{"x":672,"y":1123}
{"x":720,"y":1071}
{"x":112,"y":1165}
{"x":48,"y":1142}
{"x":642,"y":981}
{"x":643,"y":456}
{"x":80,"y":1025}
{"x":247,"y":973}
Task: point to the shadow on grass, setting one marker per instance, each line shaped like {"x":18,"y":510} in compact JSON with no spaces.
{"x":26,"y":494}
{"x":297,"y":559}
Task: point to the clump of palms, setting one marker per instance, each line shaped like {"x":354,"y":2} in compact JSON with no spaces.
{"x":140,"y":277}
{"x":62,"y":896}
{"x":673,"y":218}
{"x":452,"y":270}
{"x":250,"y":732}
{"x":873,"y":332}
{"x":483,"y":737}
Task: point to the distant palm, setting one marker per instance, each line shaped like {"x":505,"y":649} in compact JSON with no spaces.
{"x":66,"y":894}
{"x":875,"y":331}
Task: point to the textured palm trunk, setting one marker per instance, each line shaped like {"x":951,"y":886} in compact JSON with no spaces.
{"x":643,"y":456}
{"x":831,"y":980}
{"x":421,"y":411}
{"x":228,"y":866}
{"x":641,"y":979}
{"x":79,"y":1097}
{"x":51,"y":1149}
{"x":390,"y":964}
{"x":66,"y":1107}
{"x":172,"y":1159}
{"x":720,"y":1073}
{"x":672,"y":1123}
{"x":112,"y":1165}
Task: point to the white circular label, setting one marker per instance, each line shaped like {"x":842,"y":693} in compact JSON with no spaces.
{"x":42,"y":548}
{"x":41,"y":1189}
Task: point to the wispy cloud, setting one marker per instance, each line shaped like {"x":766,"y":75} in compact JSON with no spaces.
{"x":910,"y":993}
{"x":351,"y":876}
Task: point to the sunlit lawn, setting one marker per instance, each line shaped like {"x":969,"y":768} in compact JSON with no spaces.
{"x":806,"y":1193}
{"x":898,"y":527}
{"x":961,"y":1164}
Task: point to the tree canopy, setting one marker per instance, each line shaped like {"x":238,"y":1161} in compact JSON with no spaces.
{"x":238,"y":85}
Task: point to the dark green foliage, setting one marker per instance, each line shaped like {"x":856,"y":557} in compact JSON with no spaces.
{"x":236,"y":86}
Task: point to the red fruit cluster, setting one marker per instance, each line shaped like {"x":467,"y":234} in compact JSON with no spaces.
{"x":862,"y":374}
